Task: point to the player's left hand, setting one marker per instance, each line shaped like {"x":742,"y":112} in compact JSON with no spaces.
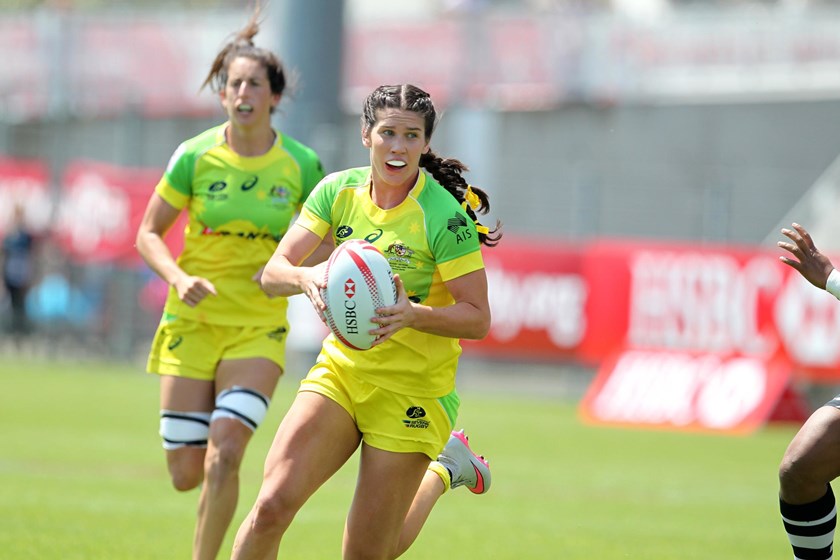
{"x":393,"y":317}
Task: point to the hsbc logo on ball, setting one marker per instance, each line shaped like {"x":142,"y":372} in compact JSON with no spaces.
{"x":351,"y":319}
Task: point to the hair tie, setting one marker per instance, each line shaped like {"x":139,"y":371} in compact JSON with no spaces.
{"x":474,"y":202}
{"x":480,"y":228}
{"x":470,"y":198}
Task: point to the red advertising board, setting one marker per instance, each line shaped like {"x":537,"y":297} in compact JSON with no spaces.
{"x":537,"y":298}
{"x":720,"y":300}
{"x":701,"y":338}
{"x":680,"y":390}
{"x":101,"y":208}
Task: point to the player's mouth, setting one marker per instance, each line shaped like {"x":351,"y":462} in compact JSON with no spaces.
{"x":395,"y":164}
{"x":244,"y":108}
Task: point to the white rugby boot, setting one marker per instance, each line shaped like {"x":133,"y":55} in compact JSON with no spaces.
{"x":465,"y":467}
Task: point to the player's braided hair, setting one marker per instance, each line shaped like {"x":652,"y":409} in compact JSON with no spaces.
{"x":446,"y":171}
{"x":242,"y":45}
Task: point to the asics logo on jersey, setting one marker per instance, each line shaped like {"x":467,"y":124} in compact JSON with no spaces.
{"x":217,"y":186}
{"x":371,"y":237}
{"x":175,"y":342}
{"x":250,"y":183}
{"x":343,"y":231}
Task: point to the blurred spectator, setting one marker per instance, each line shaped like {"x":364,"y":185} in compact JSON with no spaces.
{"x":18,"y":269}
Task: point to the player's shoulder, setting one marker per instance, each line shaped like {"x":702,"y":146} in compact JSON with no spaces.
{"x":190,"y":151}
{"x":204,"y":140}
{"x":330,"y":187}
{"x":355,"y":176}
{"x":435,"y":195}
{"x":347,"y":178}
{"x":444,"y":214}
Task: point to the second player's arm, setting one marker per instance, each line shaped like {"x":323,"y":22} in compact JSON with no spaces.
{"x":282,"y":275}
{"x":157,"y":220}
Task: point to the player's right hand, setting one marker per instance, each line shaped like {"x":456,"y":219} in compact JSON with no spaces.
{"x":192,"y":289}
{"x":810,"y":262}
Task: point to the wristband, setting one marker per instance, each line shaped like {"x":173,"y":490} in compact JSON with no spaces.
{"x":832,"y":285}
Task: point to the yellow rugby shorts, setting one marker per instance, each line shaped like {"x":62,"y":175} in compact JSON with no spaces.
{"x":186,"y":348}
{"x":387,"y":420}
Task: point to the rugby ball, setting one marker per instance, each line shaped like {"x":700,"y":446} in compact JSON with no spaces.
{"x":359,"y":281}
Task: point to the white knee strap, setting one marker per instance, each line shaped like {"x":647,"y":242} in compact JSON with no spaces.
{"x":180,"y":429}
{"x":243,"y":404}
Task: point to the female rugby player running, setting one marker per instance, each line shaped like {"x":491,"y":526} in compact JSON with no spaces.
{"x":397,"y":400}
{"x":220,"y":345}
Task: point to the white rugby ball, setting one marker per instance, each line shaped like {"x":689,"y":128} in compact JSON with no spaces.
{"x":359,"y":281}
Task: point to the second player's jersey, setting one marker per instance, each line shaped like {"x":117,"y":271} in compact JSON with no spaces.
{"x":239,"y":207}
{"x":428,"y":239}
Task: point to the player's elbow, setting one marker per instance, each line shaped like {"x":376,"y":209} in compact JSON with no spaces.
{"x":268,"y":282}
{"x":278,"y":280}
{"x":480,"y":328}
{"x":141,"y":242}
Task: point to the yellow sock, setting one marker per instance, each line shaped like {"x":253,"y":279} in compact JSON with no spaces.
{"x":443,"y":473}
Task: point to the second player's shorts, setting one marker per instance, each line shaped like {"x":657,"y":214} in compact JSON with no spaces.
{"x":187,"y":348}
{"x":387,"y":420}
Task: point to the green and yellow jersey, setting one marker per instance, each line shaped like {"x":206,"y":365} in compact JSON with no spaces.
{"x":239,"y":207}
{"x":428,"y":239}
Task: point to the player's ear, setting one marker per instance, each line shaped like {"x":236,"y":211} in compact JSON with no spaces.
{"x":366,"y":137}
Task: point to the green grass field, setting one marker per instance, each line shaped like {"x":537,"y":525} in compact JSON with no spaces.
{"x":82,"y":477}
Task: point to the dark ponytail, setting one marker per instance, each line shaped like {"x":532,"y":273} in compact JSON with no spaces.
{"x":448,"y":172}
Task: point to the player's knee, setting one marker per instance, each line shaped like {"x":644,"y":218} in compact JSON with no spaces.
{"x":273,"y":515}
{"x":183,"y":480}
{"x":798,"y":482}
{"x":223,"y":461}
